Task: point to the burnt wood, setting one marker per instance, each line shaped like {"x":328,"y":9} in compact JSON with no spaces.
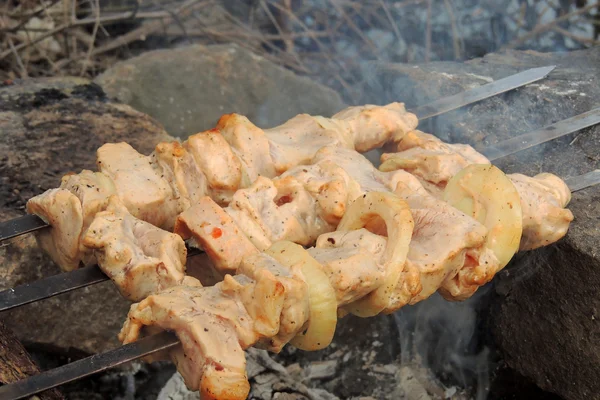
{"x":16,"y":363}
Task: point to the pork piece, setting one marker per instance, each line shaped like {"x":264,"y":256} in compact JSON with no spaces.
{"x":70,"y":210}
{"x":353,"y":262}
{"x":179,"y":168}
{"x":140,"y":184}
{"x":358,"y":168}
{"x":431,"y":160}
{"x":250,"y":144}
{"x":283,"y":209}
{"x":214,"y":324}
{"x":265,"y":217}
{"x":215,"y":158}
{"x":447,"y":247}
{"x":62,"y":210}
{"x":295,"y":308}
{"x":543,"y":201}
{"x":140,"y":258}
{"x":212,"y":229}
{"x":327,"y":183}
{"x":372,"y":126}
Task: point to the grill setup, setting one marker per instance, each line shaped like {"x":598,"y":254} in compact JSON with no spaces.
{"x":89,"y":275}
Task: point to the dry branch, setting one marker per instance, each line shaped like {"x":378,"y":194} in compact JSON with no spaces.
{"x":539,"y":29}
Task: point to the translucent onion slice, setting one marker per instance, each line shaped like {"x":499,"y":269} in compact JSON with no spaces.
{"x":365,"y":211}
{"x":323,"y":303}
{"x":487,"y":194}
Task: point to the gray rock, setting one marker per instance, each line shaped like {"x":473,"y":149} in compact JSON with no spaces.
{"x":544,"y":318}
{"x":188,"y":89}
{"x":49,"y":128}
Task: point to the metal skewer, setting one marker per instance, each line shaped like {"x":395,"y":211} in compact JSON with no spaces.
{"x":551,"y":132}
{"x":20,"y":226}
{"x":88,"y":366}
{"x":482,"y":92}
{"x":57,"y":284}
{"x":581,"y":182}
{"x":31,"y":223}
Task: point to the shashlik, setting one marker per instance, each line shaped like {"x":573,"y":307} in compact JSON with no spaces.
{"x":299,"y":205}
{"x":215,"y":163}
{"x":543,"y":197}
{"x":381,"y":239}
{"x":138,"y":257}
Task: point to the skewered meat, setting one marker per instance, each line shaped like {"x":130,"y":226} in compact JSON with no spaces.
{"x":68,"y":210}
{"x":140,"y":258}
{"x":361,"y":248}
{"x":62,"y":210}
{"x":210,"y":228}
{"x":215,"y":163}
{"x":429,"y":158}
{"x":310,"y":200}
{"x":213,"y":326}
{"x":444,"y":242}
{"x":294,"y":310}
{"x":134,"y":174}
{"x":278,"y":296}
{"x":543,"y":197}
{"x":388,"y":281}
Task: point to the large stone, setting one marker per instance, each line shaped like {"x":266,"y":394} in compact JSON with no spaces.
{"x":51,"y":127}
{"x":188,"y":89}
{"x":544,"y":316}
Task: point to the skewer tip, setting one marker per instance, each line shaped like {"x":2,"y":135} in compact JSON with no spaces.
{"x":546,"y":70}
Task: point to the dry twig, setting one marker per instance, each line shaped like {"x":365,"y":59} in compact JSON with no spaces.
{"x":428,"y":33}
{"x":543,"y":28}
{"x":456,"y":41}
{"x":140,"y":33}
